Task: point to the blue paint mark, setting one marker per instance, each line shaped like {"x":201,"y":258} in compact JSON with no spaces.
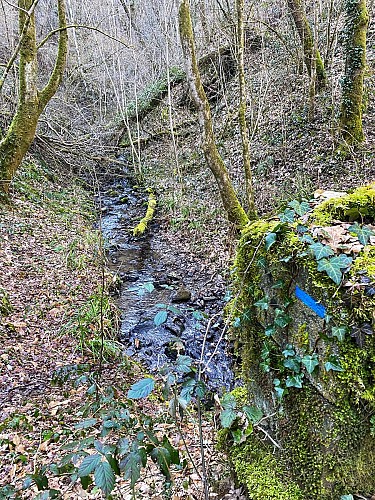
{"x":304,"y":297}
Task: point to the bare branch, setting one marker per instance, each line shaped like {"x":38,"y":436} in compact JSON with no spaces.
{"x":70,"y":26}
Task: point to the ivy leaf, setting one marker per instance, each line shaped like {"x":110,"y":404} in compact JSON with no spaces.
{"x":306,"y":238}
{"x":183,"y":364}
{"x":294,"y":381}
{"x":141,"y":389}
{"x":89,"y":464}
{"x":339,"y":332}
{"x":310,"y":362}
{"x":292,"y":364}
{"x":343,"y":260}
{"x":287,"y":216}
{"x":270,"y":330}
{"x":253,"y":413}
{"x":281,"y":318}
{"x":228,"y":402}
{"x":320,"y":251}
{"x":160,"y":318}
{"x":347,"y":497}
{"x":363,"y":233}
{"x":104,"y":477}
{"x":289,"y":351}
{"x":263,"y":303}
{"x":300,"y":208}
{"x":270,"y":239}
{"x":333,"y":364}
{"x":333,"y":269}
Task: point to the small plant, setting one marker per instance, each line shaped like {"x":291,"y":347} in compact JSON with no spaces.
{"x":5,"y":305}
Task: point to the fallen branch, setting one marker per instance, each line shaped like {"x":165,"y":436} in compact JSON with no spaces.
{"x":142,"y":226}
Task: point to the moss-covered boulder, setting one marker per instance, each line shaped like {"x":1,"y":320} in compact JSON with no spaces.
{"x":303,"y":324}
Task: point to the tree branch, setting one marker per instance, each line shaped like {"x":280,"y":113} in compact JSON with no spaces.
{"x":9,"y":65}
{"x":69,"y":26}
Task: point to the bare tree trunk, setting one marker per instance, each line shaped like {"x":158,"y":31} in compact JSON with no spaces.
{"x":352,"y":95}
{"x":235,"y":212}
{"x":242,"y":111}
{"x":311,"y":54}
{"x":31,"y":101}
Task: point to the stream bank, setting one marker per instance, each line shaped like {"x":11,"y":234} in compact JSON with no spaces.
{"x":169,"y":304}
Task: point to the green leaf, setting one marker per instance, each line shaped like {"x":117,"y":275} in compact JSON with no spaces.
{"x":161,"y":456}
{"x":289,"y":351}
{"x":160,"y":318}
{"x":292,"y":364}
{"x":85,"y":482}
{"x":227,"y":417}
{"x":333,"y":364}
{"x":263,"y":303}
{"x":270,"y":330}
{"x":363,"y":233}
{"x":294,"y":381}
{"x":149,"y":287}
{"x":88,"y":465}
{"x":141,"y":389}
{"x":270,"y":239}
{"x":86,"y":424}
{"x":306,"y":238}
{"x":198,"y":315}
{"x":339,"y":332}
{"x":228,"y":401}
{"x":183,"y":364}
{"x":123,"y":446}
{"x":201,"y":389}
{"x":300,"y":208}
{"x":104,"y":477}
{"x":237,"y":435}
{"x":287,"y":216}
{"x":320,"y":251}
{"x":132,"y":465}
{"x":332,"y":268}
{"x":188,"y":389}
{"x":253,"y":413}
{"x":346,"y":497}
{"x":310,"y":362}
{"x":281,"y":318}
{"x":173,"y":452}
{"x":175,"y":310}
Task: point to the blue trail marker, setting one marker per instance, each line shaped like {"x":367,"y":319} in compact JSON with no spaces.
{"x":304,"y":297}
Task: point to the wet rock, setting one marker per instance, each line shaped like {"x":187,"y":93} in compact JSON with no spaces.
{"x":181,"y":295}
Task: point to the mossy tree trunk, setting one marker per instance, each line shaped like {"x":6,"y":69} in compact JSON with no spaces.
{"x":235,"y":211}
{"x":312,"y":57}
{"x":352,"y":95}
{"x":242,"y":111}
{"x":31,"y":100}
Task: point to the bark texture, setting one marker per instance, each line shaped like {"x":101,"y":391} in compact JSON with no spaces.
{"x":31,"y":101}
{"x":235,"y":212}
{"x":312,"y":57}
{"x":355,"y":64}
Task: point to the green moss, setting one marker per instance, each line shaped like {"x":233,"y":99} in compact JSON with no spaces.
{"x":357,"y":205}
{"x":142,"y":226}
{"x":258,"y":470}
{"x":324,"y":427}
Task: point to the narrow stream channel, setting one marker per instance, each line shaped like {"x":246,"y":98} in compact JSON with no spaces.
{"x":155,"y":279}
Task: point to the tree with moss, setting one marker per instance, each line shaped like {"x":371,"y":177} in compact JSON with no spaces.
{"x":312,"y":57}
{"x":233,"y":207}
{"x":242,"y":110}
{"x":355,"y":33}
{"x":31,"y":100}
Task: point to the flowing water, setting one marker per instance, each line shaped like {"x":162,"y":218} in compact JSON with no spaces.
{"x":157,"y":280}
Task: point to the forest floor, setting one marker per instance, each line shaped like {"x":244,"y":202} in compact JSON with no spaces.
{"x":51,"y":278}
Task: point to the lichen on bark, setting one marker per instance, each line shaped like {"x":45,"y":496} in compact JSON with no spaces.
{"x":355,"y":34}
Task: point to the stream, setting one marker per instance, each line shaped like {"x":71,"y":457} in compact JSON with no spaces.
{"x":160,"y":283}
